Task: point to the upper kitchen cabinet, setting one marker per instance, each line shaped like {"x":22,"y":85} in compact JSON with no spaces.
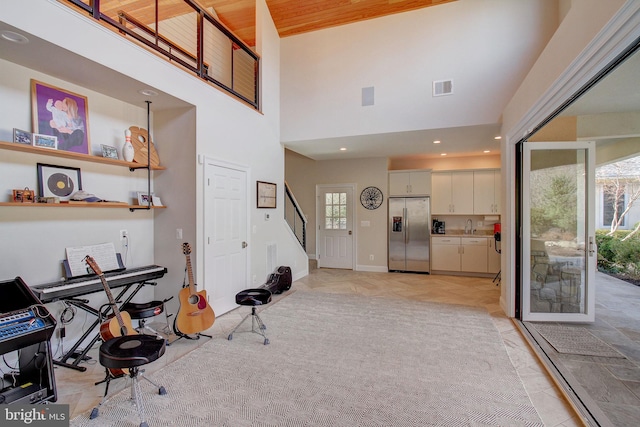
{"x":452,"y":193}
{"x":486,"y":192}
{"x":410,"y":183}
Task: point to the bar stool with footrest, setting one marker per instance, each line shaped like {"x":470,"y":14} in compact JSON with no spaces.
{"x":128,"y":353}
{"x":144,"y":311}
{"x":253,"y":297}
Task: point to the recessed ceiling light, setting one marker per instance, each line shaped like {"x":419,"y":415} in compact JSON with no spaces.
{"x":343,"y":149}
{"x":443,"y":154}
{"x":14,"y":37}
{"x":497,"y":137}
{"x":487,"y":151}
{"x":148,"y":92}
{"x":436,"y":142}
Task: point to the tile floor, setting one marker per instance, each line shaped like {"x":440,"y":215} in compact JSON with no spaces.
{"x":78,"y":390}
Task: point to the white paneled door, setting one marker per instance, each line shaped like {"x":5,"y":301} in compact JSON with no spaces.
{"x":558,"y":236}
{"x":335,"y":226}
{"x":225,"y":219}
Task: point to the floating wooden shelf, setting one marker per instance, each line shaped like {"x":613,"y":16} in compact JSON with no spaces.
{"x":74,"y":156}
{"x":99,"y":205}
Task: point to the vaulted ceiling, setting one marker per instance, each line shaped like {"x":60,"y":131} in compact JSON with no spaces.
{"x":290,"y":16}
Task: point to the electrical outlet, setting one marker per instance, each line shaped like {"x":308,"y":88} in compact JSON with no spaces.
{"x":124,"y":234}
{"x":179,"y":233}
{"x":370,"y":257}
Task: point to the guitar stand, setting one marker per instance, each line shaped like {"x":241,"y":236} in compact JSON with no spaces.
{"x":82,"y":304}
{"x":176,"y":331}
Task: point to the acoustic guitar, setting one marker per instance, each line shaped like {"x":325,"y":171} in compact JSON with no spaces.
{"x":120,"y":323}
{"x":195,"y":314}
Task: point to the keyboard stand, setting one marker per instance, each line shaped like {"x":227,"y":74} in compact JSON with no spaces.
{"x":82,"y":304}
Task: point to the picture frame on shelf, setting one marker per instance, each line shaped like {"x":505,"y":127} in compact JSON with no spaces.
{"x":266,"y":195}
{"x":45,"y":141}
{"x":109,"y":152}
{"x":63,"y":114}
{"x":144,"y":198}
{"x":22,"y":137}
{"x":58,"y":181}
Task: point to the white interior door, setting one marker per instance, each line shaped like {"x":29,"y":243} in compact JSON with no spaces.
{"x":226,"y":253}
{"x":558,"y":236}
{"x":335,"y":226}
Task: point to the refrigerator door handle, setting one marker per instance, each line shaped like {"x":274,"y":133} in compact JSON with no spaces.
{"x":406,"y":225}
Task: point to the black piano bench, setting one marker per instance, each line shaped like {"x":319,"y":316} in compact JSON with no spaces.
{"x":253,"y":298}
{"x":128,"y":353}
{"x":143,"y":311}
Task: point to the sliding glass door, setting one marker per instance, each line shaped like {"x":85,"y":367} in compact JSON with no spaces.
{"x":558,"y":237}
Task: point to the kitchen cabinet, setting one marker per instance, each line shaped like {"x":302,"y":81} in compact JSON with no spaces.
{"x":460,"y":254}
{"x":410,"y":183}
{"x":445,"y":253}
{"x":486,"y":192}
{"x":473,"y":258}
{"x":452,"y":193}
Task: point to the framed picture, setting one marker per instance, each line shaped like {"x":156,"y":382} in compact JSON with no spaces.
{"x":22,"y":136}
{"x":61,"y":113}
{"x":45,"y":141}
{"x":58,"y":181}
{"x":266,"y":192}
{"x":109,"y":152}
{"x":144,"y":198}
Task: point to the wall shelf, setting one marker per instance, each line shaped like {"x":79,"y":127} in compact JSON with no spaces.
{"x":98,"y":205}
{"x":74,"y":156}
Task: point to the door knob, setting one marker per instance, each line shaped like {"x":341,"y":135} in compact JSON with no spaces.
{"x":244,"y":245}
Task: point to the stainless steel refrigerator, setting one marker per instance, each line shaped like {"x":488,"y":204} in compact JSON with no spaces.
{"x":409,"y":231}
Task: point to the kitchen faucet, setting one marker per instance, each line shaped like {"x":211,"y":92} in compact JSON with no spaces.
{"x":469,"y":224}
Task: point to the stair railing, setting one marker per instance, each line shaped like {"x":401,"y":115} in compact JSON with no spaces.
{"x":294,"y":216}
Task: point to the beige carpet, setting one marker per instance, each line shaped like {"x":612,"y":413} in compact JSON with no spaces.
{"x":338,"y":360}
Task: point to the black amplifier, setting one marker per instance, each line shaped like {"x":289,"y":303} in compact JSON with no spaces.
{"x":25,"y":394}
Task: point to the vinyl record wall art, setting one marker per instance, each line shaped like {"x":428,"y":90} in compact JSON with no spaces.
{"x":58,"y":181}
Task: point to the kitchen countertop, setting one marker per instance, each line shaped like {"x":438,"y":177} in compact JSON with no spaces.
{"x":460,"y":233}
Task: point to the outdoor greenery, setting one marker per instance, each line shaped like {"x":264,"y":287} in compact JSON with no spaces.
{"x":619,"y":256}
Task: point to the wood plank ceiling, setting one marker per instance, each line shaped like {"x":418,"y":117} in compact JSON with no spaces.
{"x":290,"y":16}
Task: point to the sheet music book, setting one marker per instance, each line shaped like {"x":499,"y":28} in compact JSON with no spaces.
{"x":104,"y":254}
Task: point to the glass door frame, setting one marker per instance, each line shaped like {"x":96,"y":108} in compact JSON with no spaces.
{"x":590,"y":256}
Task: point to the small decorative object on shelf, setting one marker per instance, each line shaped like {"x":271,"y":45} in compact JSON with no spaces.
{"x":22,"y":136}
{"x":24,"y":196}
{"x":127,"y":150}
{"x":109,"y":152}
{"x":141,"y":142}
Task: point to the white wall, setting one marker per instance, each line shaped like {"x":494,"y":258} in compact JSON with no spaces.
{"x":486,"y":47}
{"x":218,"y":126}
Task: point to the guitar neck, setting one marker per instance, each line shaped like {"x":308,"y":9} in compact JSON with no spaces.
{"x":112,"y":301}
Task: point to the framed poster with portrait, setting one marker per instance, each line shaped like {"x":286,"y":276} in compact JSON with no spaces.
{"x":58,"y":181}
{"x":266,"y":194}
{"x":63,"y":114}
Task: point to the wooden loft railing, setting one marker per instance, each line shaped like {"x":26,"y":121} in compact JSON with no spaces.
{"x":191,"y":37}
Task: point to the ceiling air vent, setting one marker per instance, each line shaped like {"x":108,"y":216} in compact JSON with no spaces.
{"x":442,"y":87}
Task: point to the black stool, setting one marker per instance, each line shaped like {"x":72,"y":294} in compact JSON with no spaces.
{"x":130,"y":352}
{"x":253,"y":298}
{"x":143,"y":311}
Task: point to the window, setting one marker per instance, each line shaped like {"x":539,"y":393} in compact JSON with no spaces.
{"x":608,"y":203}
{"x":335,"y":217}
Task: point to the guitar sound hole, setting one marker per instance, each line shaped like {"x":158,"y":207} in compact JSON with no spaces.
{"x":193,"y":299}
